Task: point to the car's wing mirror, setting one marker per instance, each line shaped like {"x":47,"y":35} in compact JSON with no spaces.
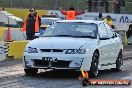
{"x":104,"y":37}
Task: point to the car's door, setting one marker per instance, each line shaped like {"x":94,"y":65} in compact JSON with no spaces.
{"x":115,"y":43}
{"x":105,"y":45}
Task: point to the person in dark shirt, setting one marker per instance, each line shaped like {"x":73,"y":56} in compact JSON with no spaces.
{"x":32,"y":24}
{"x":122,"y":4}
{"x":129,"y":32}
{"x":95,"y":4}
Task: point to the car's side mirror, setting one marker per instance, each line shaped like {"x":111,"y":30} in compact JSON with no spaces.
{"x":104,"y":37}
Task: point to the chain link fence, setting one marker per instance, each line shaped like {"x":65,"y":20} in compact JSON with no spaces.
{"x":65,"y":4}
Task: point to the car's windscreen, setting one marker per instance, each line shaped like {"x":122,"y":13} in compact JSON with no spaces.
{"x":48,"y":21}
{"x":71,"y":29}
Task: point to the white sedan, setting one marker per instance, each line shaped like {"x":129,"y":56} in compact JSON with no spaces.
{"x":75,"y":45}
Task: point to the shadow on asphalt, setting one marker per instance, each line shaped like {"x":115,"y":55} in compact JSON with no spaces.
{"x":59,"y":74}
{"x":10,"y":62}
{"x":103,"y":74}
{"x":111,"y":74}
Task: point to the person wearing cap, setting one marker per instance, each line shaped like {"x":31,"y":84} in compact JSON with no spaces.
{"x":31,"y":24}
{"x":71,"y":13}
{"x":108,"y":20}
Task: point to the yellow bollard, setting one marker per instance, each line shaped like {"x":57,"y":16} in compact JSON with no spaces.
{"x":1,"y":33}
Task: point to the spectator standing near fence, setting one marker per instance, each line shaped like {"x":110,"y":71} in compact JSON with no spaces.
{"x":101,"y":6}
{"x":106,"y":3}
{"x":95,"y":3}
{"x":90,"y":5}
{"x":122,"y":3}
{"x":117,"y":7}
{"x":114,"y":6}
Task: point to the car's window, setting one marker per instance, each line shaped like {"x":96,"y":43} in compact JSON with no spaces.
{"x":72,"y":29}
{"x":46,"y":21}
{"x":110,"y":31}
{"x":102,"y":30}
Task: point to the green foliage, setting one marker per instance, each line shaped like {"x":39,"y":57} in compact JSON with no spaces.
{"x":56,"y":4}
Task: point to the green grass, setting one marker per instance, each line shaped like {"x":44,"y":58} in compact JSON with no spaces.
{"x":22,"y":13}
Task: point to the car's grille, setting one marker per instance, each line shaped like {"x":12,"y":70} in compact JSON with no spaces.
{"x":59,"y":64}
{"x":57,"y":50}
{"x":45,"y":50}
{"x":41,"y":63}
{"x":51,"y":50}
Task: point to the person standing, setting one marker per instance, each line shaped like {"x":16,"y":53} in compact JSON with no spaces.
{"x":95,"y":5}
{"x":71,"y":13}
{"x":90,"y":5}
{"x":101,"y":5}
{"x":122,"y":3}
{"x":31,"y":24}
{"x":108,"y":20}
{"x":100,"y":17}
{"x":106,"y":6}
{"x":114,"y":6}
{"x":129,"y":32}
{"x":117,"y":6}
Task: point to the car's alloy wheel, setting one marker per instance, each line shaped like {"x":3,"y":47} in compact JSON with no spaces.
{"x":31,"y":71}
{"x":94,"y":65}
{"x":119,"y":61}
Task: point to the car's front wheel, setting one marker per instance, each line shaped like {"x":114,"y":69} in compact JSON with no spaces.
{"x":94,"y":65}
{"x":31,"y":71}
{"x":119,"y":61}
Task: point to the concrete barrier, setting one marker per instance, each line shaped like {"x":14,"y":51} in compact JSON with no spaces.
{"x":11,"y":49}
{"x":1,"y":33}
{"x":16,"y":49}
{"x":16,"y":34}
{"x":3,"y":50}
{"x":2,"y":56}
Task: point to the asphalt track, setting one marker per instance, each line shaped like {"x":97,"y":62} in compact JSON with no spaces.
{"x":12,"y":75}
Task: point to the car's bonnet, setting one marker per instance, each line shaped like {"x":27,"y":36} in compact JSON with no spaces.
{"x":60,"y":43}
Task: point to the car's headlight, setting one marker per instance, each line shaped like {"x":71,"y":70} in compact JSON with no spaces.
{"x":75,"y":51}
{"x":31,"y":50}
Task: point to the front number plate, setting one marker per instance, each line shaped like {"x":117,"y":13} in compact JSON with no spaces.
{"x":51,"y":59}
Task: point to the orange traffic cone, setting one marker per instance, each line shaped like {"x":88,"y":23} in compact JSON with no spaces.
{"x":8,"y":35}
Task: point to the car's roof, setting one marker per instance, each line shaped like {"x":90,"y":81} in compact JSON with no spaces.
{"x":85,"y":21}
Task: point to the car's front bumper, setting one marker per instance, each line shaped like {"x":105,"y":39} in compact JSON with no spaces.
{"x":67,"y":61}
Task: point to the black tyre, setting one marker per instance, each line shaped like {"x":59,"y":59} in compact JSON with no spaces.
{"x":119,"y":62}
{"x":85,"y":82}
{"x":94,"y":65}
{"x":30,"y":72}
